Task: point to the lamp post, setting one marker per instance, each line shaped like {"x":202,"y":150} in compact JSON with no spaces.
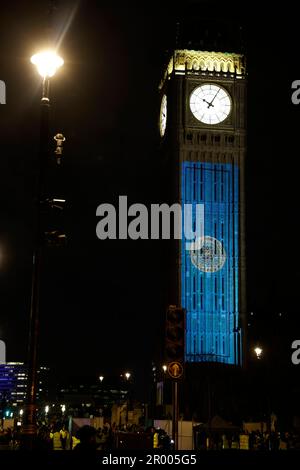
{"x":127,"y":377}
{"x":47,"y":63}
{"x":263,"y":374}
{"x":164,"y":375}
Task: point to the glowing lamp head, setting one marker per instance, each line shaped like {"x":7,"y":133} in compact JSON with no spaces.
{"x":47,"y":63}
{"x":101,"y":378}
{"x":258,"y":351}
{"x":127,"y":375}
{"x":164,"y":367}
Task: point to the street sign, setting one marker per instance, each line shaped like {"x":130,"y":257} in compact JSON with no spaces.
{"x":175,"y":370}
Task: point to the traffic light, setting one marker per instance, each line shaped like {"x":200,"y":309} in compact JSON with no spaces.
{"x":175,"y":331}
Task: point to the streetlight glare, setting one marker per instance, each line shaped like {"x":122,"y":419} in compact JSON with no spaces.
{"x":258,"y":351}
{"x":47,"y":63}
{"x":127,"y":375}
{"x":101,"y":378}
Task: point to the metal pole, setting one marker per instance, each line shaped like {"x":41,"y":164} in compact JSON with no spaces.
{"x":30,"y":425}
{"x":175,"y":413}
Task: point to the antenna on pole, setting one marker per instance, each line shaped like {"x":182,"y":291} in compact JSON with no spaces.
{"x":177,"y":35}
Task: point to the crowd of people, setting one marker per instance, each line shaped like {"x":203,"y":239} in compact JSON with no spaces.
{"x":58,"y":437}
{"x":254,"y":440}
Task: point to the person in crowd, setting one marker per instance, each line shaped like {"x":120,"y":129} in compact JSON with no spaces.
{"x":63,"y":437}
{"x":44,"y":441}
{"x":74,"y":442}
{"x":56,"y":440}
{"x":87,"y":436}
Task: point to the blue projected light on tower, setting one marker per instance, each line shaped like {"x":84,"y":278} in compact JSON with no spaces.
{"x":209,"y":266}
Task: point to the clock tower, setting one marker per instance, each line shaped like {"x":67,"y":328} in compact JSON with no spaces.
{"x":203,"y":132}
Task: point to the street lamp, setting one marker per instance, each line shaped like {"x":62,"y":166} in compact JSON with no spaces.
{"x":164,"y":368}
{"x":47,"y":63}
{"x":258,"y":351}
{"x":101,"y":378}
{"x":127,"y":377}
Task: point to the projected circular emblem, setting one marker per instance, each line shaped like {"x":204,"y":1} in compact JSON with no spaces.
{"x":208,"y":254}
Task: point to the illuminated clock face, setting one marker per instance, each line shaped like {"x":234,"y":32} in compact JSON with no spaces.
{"x":163,"y":116}
{"x":210,"y":103}
{"x":208,"y":254}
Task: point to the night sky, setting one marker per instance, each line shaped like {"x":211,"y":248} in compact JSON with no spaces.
{"x":102,"y":302}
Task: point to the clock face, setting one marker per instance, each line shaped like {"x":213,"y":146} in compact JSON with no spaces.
{"x":208,"y":254}
{"x":210,"y":103}
{"x":163,"y":116}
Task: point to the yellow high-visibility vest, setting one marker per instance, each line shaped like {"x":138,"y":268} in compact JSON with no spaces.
{"x":75,"y":441}
{"x":244,"y":442}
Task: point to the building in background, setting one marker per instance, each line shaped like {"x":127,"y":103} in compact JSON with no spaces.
{"x":85,"y":398}
{"x":13,"y":383}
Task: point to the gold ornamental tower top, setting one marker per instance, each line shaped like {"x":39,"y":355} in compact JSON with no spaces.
{"x":204,"y":62}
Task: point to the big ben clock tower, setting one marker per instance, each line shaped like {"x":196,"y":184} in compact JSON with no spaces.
{"x":203,"y":130}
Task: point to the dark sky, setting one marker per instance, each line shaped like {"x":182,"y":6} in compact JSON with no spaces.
{"x":102,"y":302}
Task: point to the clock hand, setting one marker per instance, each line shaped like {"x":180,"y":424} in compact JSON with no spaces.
{"x":205,"y":101}
{"x":211,"y":103}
